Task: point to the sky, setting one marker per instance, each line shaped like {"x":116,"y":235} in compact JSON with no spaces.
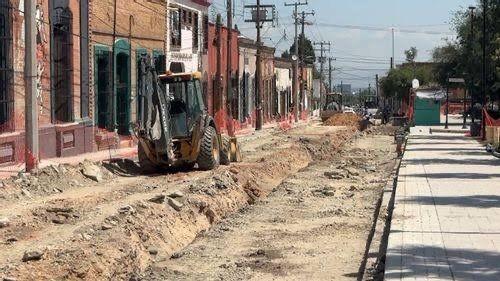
{"x":359,"y":31}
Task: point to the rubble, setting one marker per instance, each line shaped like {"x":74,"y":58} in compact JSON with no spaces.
{"x":175,"y":204}
{"x":205,"y":199}
{"x":32,"y":256}
{"x":176,"y":194}
{"x":92,"y":171}
{"x":4,"y":222}
{"x":158,"y":199}
{"x":127,"y":209}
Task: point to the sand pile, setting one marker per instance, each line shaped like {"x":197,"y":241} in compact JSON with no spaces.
{"x":343,"y":119}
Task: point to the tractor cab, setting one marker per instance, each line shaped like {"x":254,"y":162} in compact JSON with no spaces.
{"x":184,"y":94}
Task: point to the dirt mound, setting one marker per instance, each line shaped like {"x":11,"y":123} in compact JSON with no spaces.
{"x":343,"y":119}
{"x":388,"y":130}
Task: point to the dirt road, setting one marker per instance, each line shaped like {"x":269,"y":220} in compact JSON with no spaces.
{"x":313,"y":226}
{"x":62,"y":225}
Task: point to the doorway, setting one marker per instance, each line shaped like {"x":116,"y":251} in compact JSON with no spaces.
{"x":122,"y":94}
{"x":6,"y":67}
{"x":104,"y":116}
{"x":62,"y":62}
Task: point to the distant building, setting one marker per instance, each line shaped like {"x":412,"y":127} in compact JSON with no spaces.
{"x":343,"y":88}
{"x":283,"y":73}
{"x":247,"y":66}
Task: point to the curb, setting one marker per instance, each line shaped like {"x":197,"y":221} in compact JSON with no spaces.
{"x":376,"y":246}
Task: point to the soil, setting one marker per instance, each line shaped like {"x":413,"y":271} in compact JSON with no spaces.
{"x":304,"y":230}
{"x":133,"y":226}
{"x":343,"y":119}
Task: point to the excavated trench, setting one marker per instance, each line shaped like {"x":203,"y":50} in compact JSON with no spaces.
{"x":118,"y":228}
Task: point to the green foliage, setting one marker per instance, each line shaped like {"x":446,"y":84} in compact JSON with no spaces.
{"x":464,"y":56}
{"x":398,"y":81}
{"x":306,"y":46}
{"x":411,"y":54}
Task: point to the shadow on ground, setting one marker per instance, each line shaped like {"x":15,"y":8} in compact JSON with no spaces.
{"x":476,"y":201}
{"x":443,"y":143}
{"x":438,"y":137}
{"x":460,"y":264}
{"x":476,"y":150}
{"x":129,"y":168}
{"x":453,"y":176}
{"x":447,"y":161}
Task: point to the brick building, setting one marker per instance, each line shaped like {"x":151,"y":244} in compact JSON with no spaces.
{"x":62,"y":84}
{"x":247,"y":67}
{"x":122,"y":32}
{"x":216,"y":98}
{"x":267,"y":80}
{"x":306,"y":95}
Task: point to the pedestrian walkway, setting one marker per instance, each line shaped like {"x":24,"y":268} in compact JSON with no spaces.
{"x":446,"y":221}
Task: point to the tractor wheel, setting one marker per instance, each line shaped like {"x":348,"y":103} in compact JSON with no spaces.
{"x":225,"y":151}
{"x":209,"y":156}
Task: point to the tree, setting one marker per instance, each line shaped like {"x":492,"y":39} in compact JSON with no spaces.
{"x":463,"y":57}
{"x":398,"y":81}
{"x":411,"y":54}
{"x":306,"y":46}
{"x":448,"y":63}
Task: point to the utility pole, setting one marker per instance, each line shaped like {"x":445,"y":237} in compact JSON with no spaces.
{"x":301,"y":50}
{"x":322,"y":49}
{"x":229,"y":88}
{"x":392,"y":58}
{"x":258,"y":74}
{"x":484,"y":97}
{"x":259,"y":16}
{"x":376,"y":89}
{"x":218,"y":98}
{"x":330,"y":70}
{"x":471,"y":74}
{"x":296,"y":60}
{"x":30,"y":73}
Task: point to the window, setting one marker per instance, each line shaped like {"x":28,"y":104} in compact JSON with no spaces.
{"x":184,"y":16}
{"x":195,"y":31}
{"x":175,"y":28}
{"x":190,"y":18}
{"x":62,"y":63}
{"x":103,"y":85}
{"x":205,"y":32}
{"x":6,"y":67}
{"x":159,"y":61}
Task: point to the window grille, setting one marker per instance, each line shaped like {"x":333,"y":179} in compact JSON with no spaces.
{"x":62,"y":63}
{"x":6,"y":68}
{"x":195,"y":31}
{"x":175,"y":28}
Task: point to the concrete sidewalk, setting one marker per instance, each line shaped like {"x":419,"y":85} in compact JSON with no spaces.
{"x":446,"y":221}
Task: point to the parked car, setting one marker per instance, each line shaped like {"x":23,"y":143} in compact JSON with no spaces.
{"x":349,"y":110}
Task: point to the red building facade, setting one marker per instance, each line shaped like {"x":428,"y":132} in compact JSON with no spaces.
{"x":216,"y":92}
